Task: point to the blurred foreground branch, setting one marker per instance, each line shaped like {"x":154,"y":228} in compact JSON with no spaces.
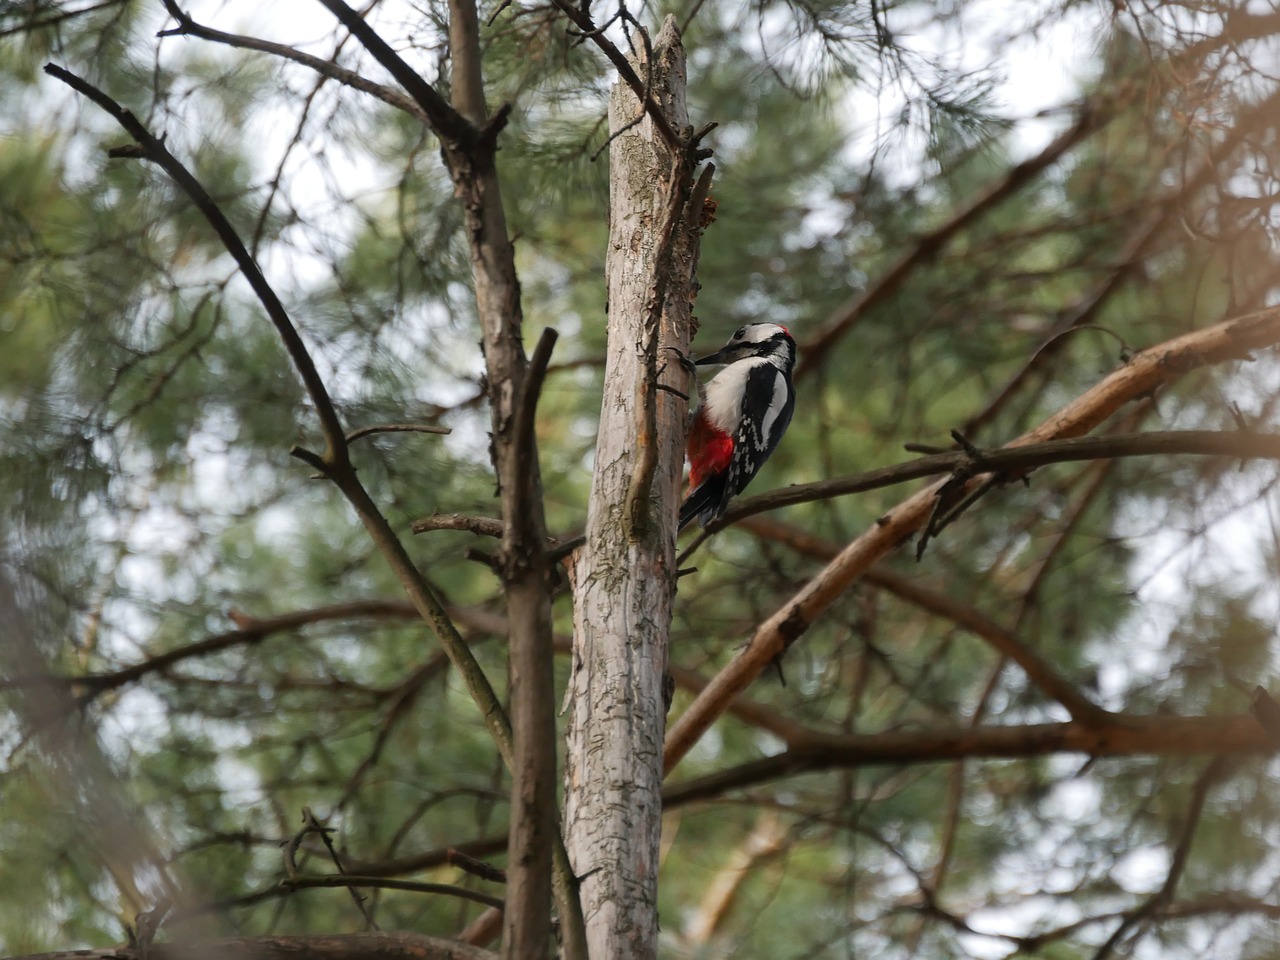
{"x":358,"y":946}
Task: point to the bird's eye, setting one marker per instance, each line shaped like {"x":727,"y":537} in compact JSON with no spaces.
{"x":740,"y":333}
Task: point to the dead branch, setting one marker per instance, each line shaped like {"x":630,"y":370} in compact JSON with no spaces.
{"x":188,"y":27}
{"x":1123,"y":735}
{"x":1014,"y":462}
{"x":581,"y":18}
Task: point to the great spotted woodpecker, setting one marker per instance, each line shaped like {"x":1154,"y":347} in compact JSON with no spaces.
{"x":744,"y":411}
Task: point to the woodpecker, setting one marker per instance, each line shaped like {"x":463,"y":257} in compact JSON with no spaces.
{"x":744,"y":411}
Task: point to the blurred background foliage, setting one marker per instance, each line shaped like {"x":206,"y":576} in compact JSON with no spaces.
{"x":147,"y":410}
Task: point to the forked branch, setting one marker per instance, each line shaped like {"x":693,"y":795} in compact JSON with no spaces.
{"x":153,"y":149}
{"x":335,"y":464}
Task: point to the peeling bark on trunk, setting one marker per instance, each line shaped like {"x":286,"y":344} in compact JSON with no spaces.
{"x":624,"y":577}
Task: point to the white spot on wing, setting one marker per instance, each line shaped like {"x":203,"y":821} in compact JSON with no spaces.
{"x":775,"y":406}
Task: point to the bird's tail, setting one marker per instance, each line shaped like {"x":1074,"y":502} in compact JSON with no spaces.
{"x":704,"y":503}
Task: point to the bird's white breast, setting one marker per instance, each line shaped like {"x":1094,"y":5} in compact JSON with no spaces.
{"x":722,"y":396}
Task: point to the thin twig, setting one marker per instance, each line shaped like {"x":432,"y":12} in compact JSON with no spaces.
{"x":355,"y":435}
{"x":187,"y":27}
{"x":1211,"y":775}
{"x":155,"y":150}
{"x":582,"y":20}
{"x":447,"y":122}
{"x":315,"y":826}
{"x":1012,"y":462}
{"x":302,"y":882}
{"x":527,"y":402}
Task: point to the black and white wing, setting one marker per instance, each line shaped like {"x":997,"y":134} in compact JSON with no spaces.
{"x":767,"y":404}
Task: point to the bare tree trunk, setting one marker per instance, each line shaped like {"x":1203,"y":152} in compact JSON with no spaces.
{"x":523,"y":564}
{"x":624,"y":576}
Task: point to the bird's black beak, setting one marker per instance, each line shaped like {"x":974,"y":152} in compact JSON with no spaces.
{"x":720,"y":356}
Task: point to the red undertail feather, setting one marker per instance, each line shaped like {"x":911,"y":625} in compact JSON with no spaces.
{"x":710,"y":451}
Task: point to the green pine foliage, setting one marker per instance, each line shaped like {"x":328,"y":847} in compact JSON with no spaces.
{"x":147,"y":410}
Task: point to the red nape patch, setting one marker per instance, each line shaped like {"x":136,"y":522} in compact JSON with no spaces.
{"x":709,"y":449}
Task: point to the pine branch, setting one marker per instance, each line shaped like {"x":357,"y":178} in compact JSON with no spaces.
{"x":1012,"y":463}
{"x":188,"y":27}
{"x":447,"y":122}
{"x":153,"y":149}
{"x":357,"y":946}
{"x":335,"y":464}
{"x":1122,"y":736}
